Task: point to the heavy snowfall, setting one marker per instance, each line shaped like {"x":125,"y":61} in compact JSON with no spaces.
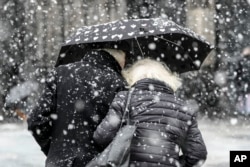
{"x":32,"y":39}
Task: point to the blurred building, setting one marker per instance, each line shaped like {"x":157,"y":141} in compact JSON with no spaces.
{"x":232,"y":24}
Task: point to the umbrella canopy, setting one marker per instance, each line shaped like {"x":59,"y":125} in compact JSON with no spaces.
{"x":179,"y":47}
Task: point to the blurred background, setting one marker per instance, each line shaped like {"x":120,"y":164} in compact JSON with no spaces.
{"x":32,"y":32}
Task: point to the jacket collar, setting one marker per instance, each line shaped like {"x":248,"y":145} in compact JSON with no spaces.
{"x":102,"y":59}
{"x":152,"y":84}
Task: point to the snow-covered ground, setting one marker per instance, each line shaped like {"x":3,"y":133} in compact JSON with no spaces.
{"x":221,"y":137}
{"x":18,"y":148}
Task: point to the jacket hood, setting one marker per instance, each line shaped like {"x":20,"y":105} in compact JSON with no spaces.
{"x":152,"y":84}
{"x":103,"y":59}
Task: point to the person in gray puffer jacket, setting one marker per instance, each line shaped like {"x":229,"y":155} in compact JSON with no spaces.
{"x":167,"y":131}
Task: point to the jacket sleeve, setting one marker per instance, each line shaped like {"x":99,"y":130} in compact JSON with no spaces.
{"x":194,"y":149}
{"x":39,"y":120}
{"x":110,"y":125}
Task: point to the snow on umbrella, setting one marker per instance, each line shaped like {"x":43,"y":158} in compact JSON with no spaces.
{"x":179,"y":47}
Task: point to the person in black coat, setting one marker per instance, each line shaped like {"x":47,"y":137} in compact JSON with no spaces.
{"x":166,"y":125}
{"x":76,"y":98}
{"x":243,"y":81}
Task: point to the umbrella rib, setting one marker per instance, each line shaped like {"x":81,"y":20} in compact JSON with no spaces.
{"x":169,"y":41}
{"x":176,"y":45}
{"x":139,"y":46}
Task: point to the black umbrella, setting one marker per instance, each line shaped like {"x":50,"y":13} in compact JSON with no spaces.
{"x":179,"y":47}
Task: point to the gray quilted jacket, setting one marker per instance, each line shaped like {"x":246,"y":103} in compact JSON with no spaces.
{"x":167,"y":132}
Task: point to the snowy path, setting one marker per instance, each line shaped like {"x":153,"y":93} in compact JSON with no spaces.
{"x":223,"y":137}
{"x":18,"y":148}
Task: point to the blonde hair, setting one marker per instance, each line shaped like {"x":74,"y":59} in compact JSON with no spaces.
{"x":148,"y":68}
{"x":119,"y":55}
